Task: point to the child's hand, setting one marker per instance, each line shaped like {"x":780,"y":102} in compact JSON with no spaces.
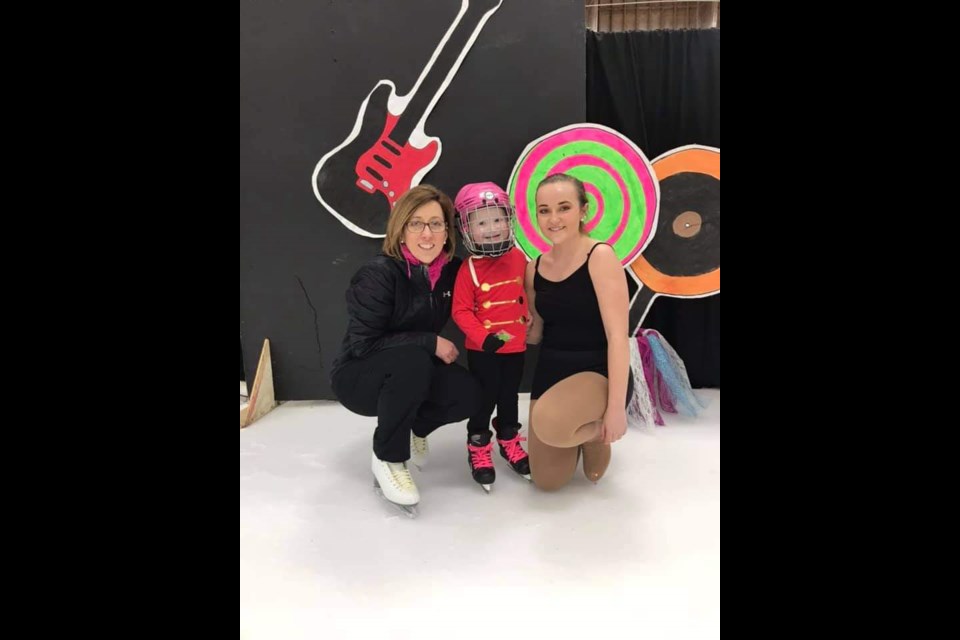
{"x":492,"y":343}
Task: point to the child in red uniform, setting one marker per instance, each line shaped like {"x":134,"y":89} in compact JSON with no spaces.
{"x":490,"y":308}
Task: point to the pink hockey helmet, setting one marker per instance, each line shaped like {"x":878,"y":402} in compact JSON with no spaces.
{"x":484,"y":233}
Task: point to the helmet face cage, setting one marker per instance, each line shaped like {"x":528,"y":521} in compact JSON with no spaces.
{"x":485,"y":219}
{"x":487,"y":229}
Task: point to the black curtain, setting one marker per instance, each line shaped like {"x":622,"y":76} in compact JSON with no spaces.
{"x":662,"y":90}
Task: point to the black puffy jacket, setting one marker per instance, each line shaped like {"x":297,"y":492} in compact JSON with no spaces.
{"x":388,"y":309}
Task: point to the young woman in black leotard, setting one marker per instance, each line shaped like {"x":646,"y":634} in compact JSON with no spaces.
{"x":578,"y":298}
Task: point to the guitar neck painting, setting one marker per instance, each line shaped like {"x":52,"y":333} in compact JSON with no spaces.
{"x":388,"y":150}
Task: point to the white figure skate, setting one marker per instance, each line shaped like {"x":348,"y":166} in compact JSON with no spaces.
{"x":392,"y":481}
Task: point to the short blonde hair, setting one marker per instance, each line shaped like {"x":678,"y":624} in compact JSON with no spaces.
{"x":404,"y":209}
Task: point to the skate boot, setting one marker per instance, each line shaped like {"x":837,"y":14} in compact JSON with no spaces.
{"x":419,"y":450}
{"x":479,"y":455}
{"x":392,"y":481}
{"x":512,"y":451}
{"x":596,"y":459}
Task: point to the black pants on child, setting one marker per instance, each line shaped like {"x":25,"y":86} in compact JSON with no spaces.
{"x":407,"y":389}
{"x":499,"y":376}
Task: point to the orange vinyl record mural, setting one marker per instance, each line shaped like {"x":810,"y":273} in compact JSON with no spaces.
{"x":683,"y":259}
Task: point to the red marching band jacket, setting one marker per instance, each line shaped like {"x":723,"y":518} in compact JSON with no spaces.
{"x":488,"y":298}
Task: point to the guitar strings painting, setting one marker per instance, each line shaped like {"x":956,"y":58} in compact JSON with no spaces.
{"x":388,"y":150}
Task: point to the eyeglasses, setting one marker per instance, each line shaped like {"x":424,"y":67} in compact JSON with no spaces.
{"x":416,"y":226}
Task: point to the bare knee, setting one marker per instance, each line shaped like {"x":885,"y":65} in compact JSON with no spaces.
{"x":567,"y":436}
{"x":550,"y":439}
{"x":550,"y":473}
{"x":550,"y":483}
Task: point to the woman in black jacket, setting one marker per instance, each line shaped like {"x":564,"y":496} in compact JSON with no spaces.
{"x":393,"y":363}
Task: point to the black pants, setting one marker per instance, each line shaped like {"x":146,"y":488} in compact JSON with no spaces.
{"x":499,"y":376}
{"x":406,"y":389}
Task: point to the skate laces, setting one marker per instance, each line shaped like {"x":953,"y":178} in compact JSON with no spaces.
{"x":481,"y":456}
{"x":420,"y":445}
{"x":401,"y":475}
{"x":512,"y":446}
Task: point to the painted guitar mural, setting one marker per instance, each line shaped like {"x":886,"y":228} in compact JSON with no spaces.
{"x":387,"y":152}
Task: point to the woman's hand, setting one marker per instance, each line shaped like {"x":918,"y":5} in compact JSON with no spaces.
{"x":614,"y":426}
{"x":534,"y":329}
{"x":446,"y":350}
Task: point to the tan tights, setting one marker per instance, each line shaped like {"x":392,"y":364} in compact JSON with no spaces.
{"x":564,"y":422}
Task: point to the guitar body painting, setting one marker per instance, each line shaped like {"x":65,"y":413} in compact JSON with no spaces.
{"x":388,"y":151}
